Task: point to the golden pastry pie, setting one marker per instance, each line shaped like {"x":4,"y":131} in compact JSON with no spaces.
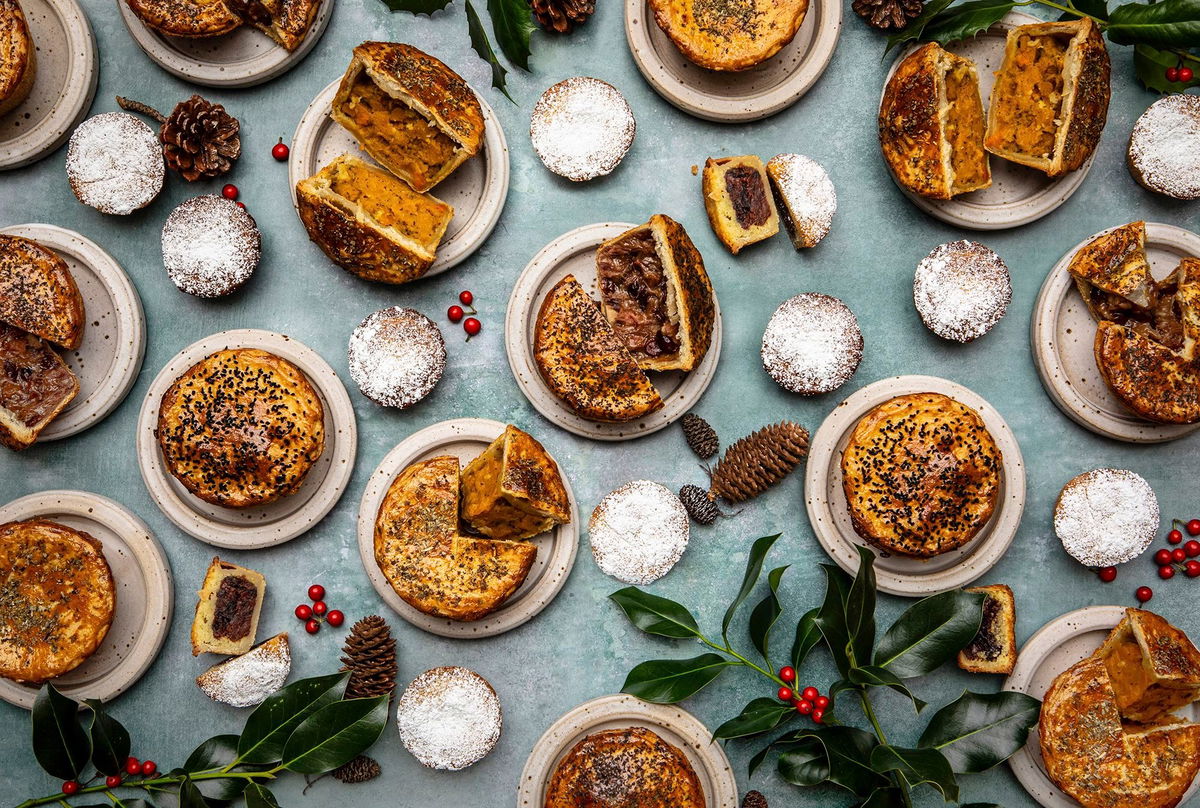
{"x":738,"y":200}
{"x":931,"y":125}
{"x":370,"y":223}
{"x":1153,"y":666}
{"x":1113,"y":275}
{"x":729,"y":35}
{"x":38,"y":293}
{"x":191,"y":19}
{"x":227,"y":609}
{"x":656,"y":295}
{"x":624,"y":768}
{"x":285,"y":21}
{"x":18,"y":57}
{"x":1050,"y":99}
{"x":514,"y":490}
{"x":57,"y":599}
{"x":241,"y":427}
{"x":409,"y":111}
{"x":35,"y":387}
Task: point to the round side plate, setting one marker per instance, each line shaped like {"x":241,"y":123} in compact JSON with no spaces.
{"x":62,"y":92}
{"x":466,"y":438}
{"x":242,"y":58}
{"x":746,"y":95}
{"x":476,"y":190}
{"x":829,"y":512}
{"x":1055,"y":647}
{"x":1018,"y":194}
{"x":114,"y":338}
{"x":573,"y":253}
{"x":279,"y":521}
{"x":144,"y":600}
{"x":673,"y":724}
{"x":1063,"y":332}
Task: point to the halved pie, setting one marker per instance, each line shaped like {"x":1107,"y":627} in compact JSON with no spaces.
{"x":738,"y":200}
{"x":35,"y":386}
{"x":1153,"y":666}
{"x":514,"y":490}
{"x":18,"y":56}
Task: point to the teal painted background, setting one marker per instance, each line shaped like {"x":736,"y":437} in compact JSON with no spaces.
{"x":581,"y":647}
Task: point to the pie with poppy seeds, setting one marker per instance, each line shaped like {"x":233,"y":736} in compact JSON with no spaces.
{"x":624,"y":768}
{"x":38,"y":293}
{"x":921,"y":474}
{"x":242,"y":427}
{"x":514,"y":489}
{"x":57,"y":599}
{"x":285,"y":21}
{"x":18,"y":57}
{"x":729,"y":35}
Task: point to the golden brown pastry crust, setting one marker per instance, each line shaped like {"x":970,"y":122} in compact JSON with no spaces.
{"x":18,"y":57}
{"x":584,"y":364}
{"x":757,"y":220}
{"x":1114,"y":264}
{"x":921,"y":474}
{"x":729,"y":35}
{"x":1153,"y":666}
{"x":241,"y":427}
{"x":285,"y":21}
{"x":624,"y":768}
{"x":38,"y":293}
{"x":514,"y":489}
{"x":36,"y":386}
{"x":191,"y":19}
{"x":57,"y":599}
{"x":428,"y":563}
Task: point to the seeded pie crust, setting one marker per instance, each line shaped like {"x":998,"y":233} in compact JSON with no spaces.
{"x":18,"y":57}
{"x":632,"y":766}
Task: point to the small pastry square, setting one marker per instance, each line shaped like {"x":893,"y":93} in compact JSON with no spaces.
{"x":514,"y":489}
{"x":738,"y":200}
{"x":230,"y":601}
{"x":994,"y":649}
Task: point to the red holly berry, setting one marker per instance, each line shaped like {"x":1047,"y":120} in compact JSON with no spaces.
{"x":241,"y":205}
{"x":1178,"y":555}
{"x":454,"y":314}
{"x":335,"y":618}
{"x":818,"y":716}
{"x":1143,"y":594}
{"x":312,"y":626}
{"x":466,"y":298}
{"x":1185,"y":74}
{"x":149,"y":767}
{"x":1192,"y":568}
{"x":316,"y":592}
{"x":230,"y":191}
{"x":112,"y":781}
{"x":1166,"y":572}
{"x":804,"y":707}
{"x":787,"y":674}
{"x":1163,"y":556}
{"x":1193,"y":527}
{"x":1192,"y":548}
{"x":304,"y":611}
{"x":280,"y":151}
{"x":810,"y":693}
{"x":821,"y":702}
{"x":70,"y":787}
{"x":785,"y":694}
{"x":1108,"y":574}
{"x":1174,"y":537}
{"x":472,"y":326}
{"x":319,"y":608}
{"x":1172,"y":74}
{"x":133,"y":766}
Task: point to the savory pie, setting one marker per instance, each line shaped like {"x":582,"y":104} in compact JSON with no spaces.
{"x":738,"y":200}
{"x":931,"y":125}
{"x":18,"y":57}
{"x":38,"y":292}
{"x":624,"y":768}
{"x":228,"y":606}
{"x":285,"y":21}
{"x":514,"y":489}
{"x":57,"y":599}
{"x":1153,"y":666}
{"x":370,"y":223}
{"x":1050,"y":99}
{"x":729,"y":35}
{"x":35,"y":387}
{"x":409,"y":111}
{"x":1113,"y":276}
{"x":656,"y":295}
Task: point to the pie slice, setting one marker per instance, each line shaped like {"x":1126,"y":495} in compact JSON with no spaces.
{"x":285,"y":21}
{"x":738,"y":200}
{"x":38,"y":293}
{"x":1153,"y":666}
{"x":656,"y":295}
{"x":18,"y":57}
{"x":994,"y":649}
{"x":584,"y":363}
{"x":228,"y":606}
{"x":35,"y":386}
{"x":514,"y":489}
{"x":1113,"y":275}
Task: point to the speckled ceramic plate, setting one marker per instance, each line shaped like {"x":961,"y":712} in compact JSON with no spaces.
{"x":746,"y":95}
{"x":1063,"y":334}
{"x":574,"y":253}
{"x":62,"y":92}
{"x":242,"y":58}
{"x":466,"y":438}
{"x":477,"y":189}
{"x":1055,"y":647}
{"x":1018,"y":194}
{"x":114,"y":339}
{"x":829,"y":513}
{"x":673,"y":724}
{"x":279,"y":521}
{"x":144,"y":599}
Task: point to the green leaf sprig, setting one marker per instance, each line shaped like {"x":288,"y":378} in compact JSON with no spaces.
{"x":307,"y":727}
{"x":970,"y":734}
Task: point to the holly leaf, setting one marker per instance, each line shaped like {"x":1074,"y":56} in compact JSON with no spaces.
{"x":109,"y":739}
{"x":930,"y":632}
{"x":965,"y":20}
{"x":874,"y":676}
{"x":259,"y":797}
{"x":760,"y":715}
{"x":1151,"y":65}
{"x":860,"y":609}
{"x":1165,"y":24}
{"x":807,"y":637}
{"x":754,"y":565}
{"x":831,"y":619}
{"x":917,"y":766}
{"x":216,"y":753}
{"x":976,"y":731}
{"x":335,"y":734}
{"x":834,"y":754}
{"x":915,"y":30}
{"x":884,"y":798}
{"x":269,"y":726}
{"x":60,"y":744}
{"x":483,"y":46}
{"x":655,"y":615}
{"x":763,"y":618}
{"x":512,"y":22}
{"x":426,"y":7}
{"x":669,"y":681}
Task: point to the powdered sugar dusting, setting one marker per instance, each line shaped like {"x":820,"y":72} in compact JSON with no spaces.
{"x":115,"y":163}
{"x":210,"y":246}
{"x":961,"y":289}
{"x":1106,"y":516}
{"x":397,"y":356}
{"x":449,"y":718}
{"x":638,"y":532}
{"x":1164,"y":148}
{"x":582,"y":128}
{"x":805,"y":195}
{"x":247,"y":680}
{"x":812,"y":344}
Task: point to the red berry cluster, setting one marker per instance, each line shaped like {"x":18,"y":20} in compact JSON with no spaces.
{"x":808,"y":701}
{"x":318,"y":612}
{"x":1169,"y":560}
{"x":133,"y":767}
{"x":1180,"y":72}
{"x":455,"y":314}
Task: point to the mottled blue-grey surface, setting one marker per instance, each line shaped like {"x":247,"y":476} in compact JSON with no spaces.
{"x":581,"y":647}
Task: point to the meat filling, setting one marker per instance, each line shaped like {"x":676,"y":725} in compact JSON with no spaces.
{"x":986,"y":645}
{"x":33,"y":379}
{"x":1161,"y":321}
{"x":1027,"y":99}
{"x":748,"y":193}
{"x":634,"y":284}
{"x":234,"y":608}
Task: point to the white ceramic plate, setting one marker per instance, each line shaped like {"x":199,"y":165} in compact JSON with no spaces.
{"x":747,"y":95}
{"x":673,"y":724}
{"x":114,"y":338}
{"x":476,"y":190}
{"x":144,"y":599}
{"x":574,"y":253}
{"x":466,"y":438}
{"x":62,"y":92}
{"x":1063,"y":333}
{"x":829,"y":513}
{"x":1055,"y":647}
{"x":276,"y":522}
{"x":242,"y":58}
{"x":1018,"y":194}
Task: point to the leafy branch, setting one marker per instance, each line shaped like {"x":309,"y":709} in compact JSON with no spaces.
{"x":970,"y":734}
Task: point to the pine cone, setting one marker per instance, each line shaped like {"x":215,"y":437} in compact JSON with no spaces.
{"x":561,"y":16}
{"x":369,"y":653}
{"x":759,"y":461}
{"x":700,"y":436}
{"x":754,"y":799}
{"x":698,"y":505}
{"x":359,"y":770}
{"x":200,"y":139}
{"x":886,"y":14}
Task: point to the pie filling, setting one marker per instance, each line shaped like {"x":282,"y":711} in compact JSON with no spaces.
{"x":987,"y":644}
{"x":1027,"y":99}
{"x":389,"y":201}
{"x":1160,"y":321}
{"x":747,"y":190}
{"x":233,"y":608}
{"x":964,"y":128}
{"x":389,"y":127}
{"x":634,"y":284}
{"x":33,"y":380}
